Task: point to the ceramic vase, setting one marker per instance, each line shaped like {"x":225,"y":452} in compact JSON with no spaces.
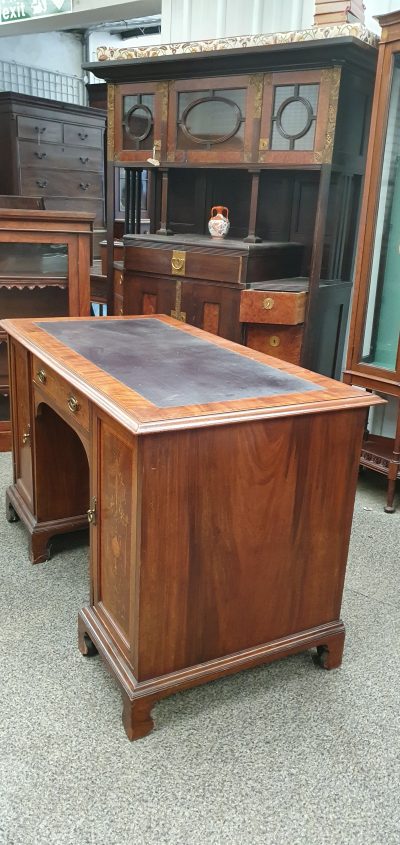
{"x":218,"y":224}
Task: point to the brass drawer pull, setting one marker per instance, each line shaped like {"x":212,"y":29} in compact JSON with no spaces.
{"x":178,"y":262}
{"x":41,"y":376}
{"x":26,"y":437}
{"x":73,"y":404}
{"x":92,"y":512}
{"x":39,"y":155}
{"x":268,"y":303}
{"x":83,"y":135}
{"x":84,"y":160}
{"x":84,"y":186}
{"x":42,"y":183}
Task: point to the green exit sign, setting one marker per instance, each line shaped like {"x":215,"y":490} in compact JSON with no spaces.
{"x":24,"y":10}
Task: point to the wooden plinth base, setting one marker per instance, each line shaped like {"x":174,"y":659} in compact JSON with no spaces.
{"x":40,"y":533}
{"x":139,"y":697}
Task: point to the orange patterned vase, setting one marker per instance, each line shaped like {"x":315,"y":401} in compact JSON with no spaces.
{"x":218,"y":224}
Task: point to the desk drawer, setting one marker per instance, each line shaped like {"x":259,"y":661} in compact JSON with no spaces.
{"x":209,"y":266}
{"x":39,"y":130}
{"x":83,"y":136}
{"x":59,"y":157}
{"x":273,"y":307}
{"x":282,"y":342}
{"x":61,"y":395}
{"x":61,"y":183}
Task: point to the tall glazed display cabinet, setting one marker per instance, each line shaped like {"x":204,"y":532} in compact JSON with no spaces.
{"x":374,"y":347}
{"x":275,"y":129}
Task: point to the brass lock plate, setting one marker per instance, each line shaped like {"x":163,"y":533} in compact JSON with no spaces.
{"x":274,"y":340}
{"x":268,"y":303}
{"x":178,"y":262}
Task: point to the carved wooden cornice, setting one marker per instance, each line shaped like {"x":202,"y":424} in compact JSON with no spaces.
{"x":314,"y":33}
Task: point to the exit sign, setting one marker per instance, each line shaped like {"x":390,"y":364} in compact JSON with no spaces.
{"x":24,"y":10}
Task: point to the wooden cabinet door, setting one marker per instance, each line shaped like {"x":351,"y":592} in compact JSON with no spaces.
{"x":208,"y":306}
{"x":113,"y":541}
{"x":214,"y":120}
{"x":22,"y":422}
{"x":140,"y":114}
{"x":299,"y":117}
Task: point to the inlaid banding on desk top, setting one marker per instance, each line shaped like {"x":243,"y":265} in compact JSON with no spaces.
{"x":169,"y":367}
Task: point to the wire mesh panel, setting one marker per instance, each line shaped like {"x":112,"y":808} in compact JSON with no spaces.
{"x":42,"y":83}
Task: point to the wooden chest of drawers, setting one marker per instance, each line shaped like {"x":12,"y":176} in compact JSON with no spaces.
{"x":273,"y":314}
{"x":199,"y":280}
{"x":54,"y":150}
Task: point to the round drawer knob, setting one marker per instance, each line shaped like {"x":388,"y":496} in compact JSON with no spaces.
{"x":42,"y":376}
{"x":268,"y":303}
{"x":274,"y":340}
{"x":73,"y":404}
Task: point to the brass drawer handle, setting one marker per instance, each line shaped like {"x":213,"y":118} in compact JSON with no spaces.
{"x":84,"y":160}
{"x":26,"y":437}
{"x":39,"y":155}
{"x":42,"y":376}
{"x":83,"y":135}
{"x":42,"y":183}
{"x":92,"y":512}
{"x":84,"y":186}
{"x":178,"y":262}
{"x":73,"y":404}
{"x":268,"y":303}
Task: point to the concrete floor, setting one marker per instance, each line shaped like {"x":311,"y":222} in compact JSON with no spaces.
{"x":281,"y":755}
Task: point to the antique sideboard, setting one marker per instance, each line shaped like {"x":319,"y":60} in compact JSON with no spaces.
{"x":275,"y":128}
{"x":44,"y":270}
{"x":212,"y":477}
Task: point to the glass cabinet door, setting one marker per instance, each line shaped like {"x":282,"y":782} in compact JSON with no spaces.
{"x":213,"y":120}
{"x":382,"y":319}
{"x":33,"y":261}
{"x":139,"y":112}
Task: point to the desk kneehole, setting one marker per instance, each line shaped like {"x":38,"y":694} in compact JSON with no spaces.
{"x":72,"y":406}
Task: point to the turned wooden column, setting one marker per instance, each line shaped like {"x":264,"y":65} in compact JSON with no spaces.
{"x":252,"y":238}
{"x":163,"y":230}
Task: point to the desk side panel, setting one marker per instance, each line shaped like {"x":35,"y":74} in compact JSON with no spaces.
{"x":245,"y":532}
{"x":114,"y":539}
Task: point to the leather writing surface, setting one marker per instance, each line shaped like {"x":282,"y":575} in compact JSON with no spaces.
{"x":169,"y":367}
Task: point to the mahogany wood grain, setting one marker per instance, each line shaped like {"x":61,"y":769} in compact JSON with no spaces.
{"x":263,"y":306}
{"x":219,"y":532}
{"x":26,"y":292}
{"x":284,"y":342}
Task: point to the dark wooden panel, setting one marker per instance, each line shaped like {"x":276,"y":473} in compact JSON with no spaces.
{"x":59,"y":157}
{"x":65,"y":495}
{"x":38,"y":129}
{"x":83,"y":136}
{"x":227,"y":547}
{"x":62,"y":184}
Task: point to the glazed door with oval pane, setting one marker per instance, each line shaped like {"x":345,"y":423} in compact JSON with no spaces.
{"x":299,"y":117}
{"x":214,"y":120}
{"x":140,"y":113}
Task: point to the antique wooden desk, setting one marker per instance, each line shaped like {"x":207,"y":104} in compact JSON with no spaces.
{"x":219,"y":485}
